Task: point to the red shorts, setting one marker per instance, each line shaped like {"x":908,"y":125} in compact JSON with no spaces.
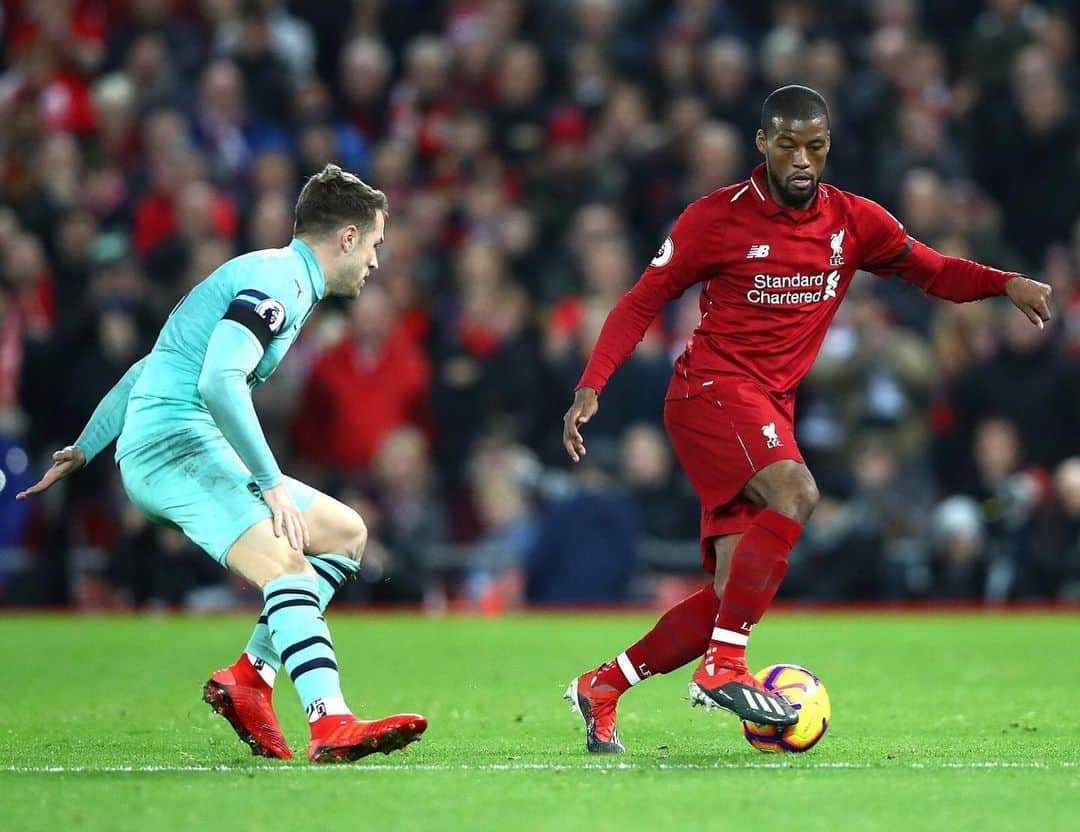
{"x":722,"y":437}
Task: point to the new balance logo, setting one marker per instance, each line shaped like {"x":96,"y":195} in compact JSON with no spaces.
{"x":771,"y":439}
{"x":758,"y":251}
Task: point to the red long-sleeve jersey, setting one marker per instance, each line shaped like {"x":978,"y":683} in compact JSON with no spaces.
{"x":771,"y":280}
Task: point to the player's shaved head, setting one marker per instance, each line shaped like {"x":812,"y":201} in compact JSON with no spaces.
{"x":794,"y":139}
{"x":790,"y":104}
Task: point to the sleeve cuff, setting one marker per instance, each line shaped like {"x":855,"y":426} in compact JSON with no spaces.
{"x":90,"y":449}
{"x":590,"y":380}
{"x":272,"y":481}
{"x":1004,"y":278}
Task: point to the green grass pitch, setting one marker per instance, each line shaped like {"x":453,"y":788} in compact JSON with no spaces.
{"x":945,"y":722}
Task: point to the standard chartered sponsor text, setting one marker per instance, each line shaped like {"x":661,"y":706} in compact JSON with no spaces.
{"x":814,"y":286}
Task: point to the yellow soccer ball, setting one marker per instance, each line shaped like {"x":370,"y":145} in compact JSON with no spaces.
{"x":807,"y":696}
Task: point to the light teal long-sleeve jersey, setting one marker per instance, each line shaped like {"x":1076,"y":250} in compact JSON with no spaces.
{"x":225,"y":337}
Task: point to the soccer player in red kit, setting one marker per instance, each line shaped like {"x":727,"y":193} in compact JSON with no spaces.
{"x":774,"y":255}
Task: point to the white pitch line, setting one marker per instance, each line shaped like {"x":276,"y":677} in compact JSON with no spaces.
{"x":539,"y":767}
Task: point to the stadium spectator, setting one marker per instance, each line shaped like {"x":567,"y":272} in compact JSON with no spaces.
{"x":659,"y":490}
{"x":1061,"y":545}
{"x":270,"y":223}
{"x":484,"y":355}
{"x":958,"y":550}
{"x":183,"y":46}
{"x":498,"y":473}
{"x":421,"y":102}
{"x":409,"y":513}
{"x":170,"y":580}
{"x":289,"y":38}
{"x":874,"y":374}
{"x":519,"y":110}
{"x":371,"y":382}
{"x":727,"y":72}
{"x":585,"y":543}
{"x":1011,"y":492}
{"x":365,"y":75}
{"x":1041,"y":398}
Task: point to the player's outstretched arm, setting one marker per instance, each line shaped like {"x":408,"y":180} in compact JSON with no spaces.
{"x":231,"y":355}
{"x":679,"y":263}
{"x":889,"y":250}
{"x":960,"y":281}
{"x":104,"y":426}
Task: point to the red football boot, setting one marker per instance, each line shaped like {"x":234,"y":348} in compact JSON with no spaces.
{"x":597,"y":708}
{"x":240,"y":695}
{"x":343,"y":738}
{"x":725,"y":682}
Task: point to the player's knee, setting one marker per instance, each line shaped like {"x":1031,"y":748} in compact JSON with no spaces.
{"x":356,"y":536}
{"x":797,"y":498}
{"x":804,"y":496}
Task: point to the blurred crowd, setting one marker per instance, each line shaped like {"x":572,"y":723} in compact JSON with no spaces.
{"x":534,"y":153}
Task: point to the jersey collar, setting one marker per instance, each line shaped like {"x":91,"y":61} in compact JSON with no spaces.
{"x":770,"y":207}
{"x":315,"y":275}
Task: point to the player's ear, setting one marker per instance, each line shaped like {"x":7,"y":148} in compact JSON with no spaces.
{"x":759,"y":140}
{"x":350,"y":238}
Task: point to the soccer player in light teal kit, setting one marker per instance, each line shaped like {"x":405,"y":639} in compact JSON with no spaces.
{"x":193,"y":455}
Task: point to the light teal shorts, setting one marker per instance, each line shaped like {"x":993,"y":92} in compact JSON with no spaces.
{"x":196,"y":482}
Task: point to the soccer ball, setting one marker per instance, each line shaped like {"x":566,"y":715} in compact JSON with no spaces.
{"x":807,"y":696}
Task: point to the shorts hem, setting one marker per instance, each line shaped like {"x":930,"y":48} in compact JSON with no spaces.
{"x":223,"y":557}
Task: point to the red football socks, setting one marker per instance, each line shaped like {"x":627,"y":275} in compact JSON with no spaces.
{"x":680,"y":636}
{"x":758,"y":566}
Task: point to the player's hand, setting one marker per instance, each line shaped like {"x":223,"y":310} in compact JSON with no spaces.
{"x":1031,"y":297}
{"x":287,"y":517}
{"x":66,"y":461}
{"x":582,"y":409}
